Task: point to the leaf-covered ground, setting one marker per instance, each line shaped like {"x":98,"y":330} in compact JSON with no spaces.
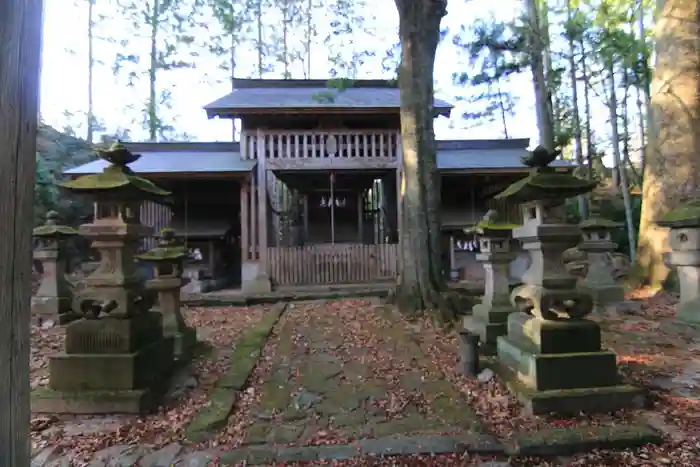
{"x":338,"y":371}
{"x":349,"y":353}
{"x":217,"y":328}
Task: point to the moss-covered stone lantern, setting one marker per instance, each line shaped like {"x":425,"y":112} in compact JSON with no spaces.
{"x":116,"y":359}
{"x":598,"y":246}
{"x":489,"y":318}
{"x":684,"y":242}
{"x":54,"y":297}
{"x":167,"y":260}
{"x":551,"y":353}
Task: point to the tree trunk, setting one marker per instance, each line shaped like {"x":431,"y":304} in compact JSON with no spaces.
{"x":578,"y":143}
{"x":259,"y":45}
{"x":543,"y":99}
{"x":421,"y":282}
{"x":91,"y":68}
{"x":612,"y":106}
{"x":672,"y":167}
{"x":309,"y":36}
{"x":153,"y":124}
{"x":644,"y":90}
{"x":587,"y":110}
{"x":20,"y":36}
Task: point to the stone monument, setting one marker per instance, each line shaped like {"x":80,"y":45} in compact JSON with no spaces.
{"x":598,"y":246}
{"x":684,"y":241}
{"x":167,"y":260}
{"x":489,"y":318}
{"x":116,"y":359}
{"x":55,"y":294}
{"x":551,"y":357}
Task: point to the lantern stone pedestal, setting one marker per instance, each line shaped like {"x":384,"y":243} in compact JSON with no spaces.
{"x":167,"y":260}
{"x":598,"y":281}
{"x":116,"y":359}
{"x":551,"y":357}
{"x":489,"y":318}
{"x":684,"y":241}
{"x":54,"y":297}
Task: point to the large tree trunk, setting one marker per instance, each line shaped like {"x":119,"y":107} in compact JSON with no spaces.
{"x":421,"y":281}
{"x":20,"y":36}
{"x":671,"y":171}
{"x":539,"y":44}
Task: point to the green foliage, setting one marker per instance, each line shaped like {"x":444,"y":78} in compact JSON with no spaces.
{"x":56,"y":153}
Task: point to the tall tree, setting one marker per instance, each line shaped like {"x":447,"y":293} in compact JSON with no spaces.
{"x":672,"y":168}
{"x":421,"y":282}
{"x":538,"y":22}
{"x":20,"y":36}
{"x":166,"y":24}
{"x":91,"y":69}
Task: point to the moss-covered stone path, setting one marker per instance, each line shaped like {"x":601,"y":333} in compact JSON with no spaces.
{"x":339,"y":371}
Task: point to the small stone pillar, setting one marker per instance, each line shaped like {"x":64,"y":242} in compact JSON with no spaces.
{"x":598,"y":245}
{"x":552,"y":355}
{"x":167,"y":260}
{"x":489,"y":318}
{"x":116,"y":359}
{"x":684,"y":241}
{"x":55,"y":294}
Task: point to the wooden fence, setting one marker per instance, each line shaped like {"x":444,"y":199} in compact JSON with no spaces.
{"x":346,"y":263}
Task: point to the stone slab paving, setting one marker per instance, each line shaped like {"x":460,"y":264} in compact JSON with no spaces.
{"x":343,"y":370}
{"x":173,"y":454}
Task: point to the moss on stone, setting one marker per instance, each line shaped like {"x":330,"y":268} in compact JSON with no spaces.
{"x":545,"y":183}
{"x":213,"y":417}
{"x":52,"y":229}
{"x":572,"y":440}
{"x":685,"y":215}
{"x":157,"y":254}
{"x":599,"y":223}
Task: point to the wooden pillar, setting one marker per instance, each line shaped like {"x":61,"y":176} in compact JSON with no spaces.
{"x":253,"y":221}
{"x":360,"y":218}
{"x":262,"y":203}
{"x":20,"y":60}
{"x":399,"y":197}
{"x":245,"y":223}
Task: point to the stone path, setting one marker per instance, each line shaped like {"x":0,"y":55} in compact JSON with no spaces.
{"x":342,"y":371}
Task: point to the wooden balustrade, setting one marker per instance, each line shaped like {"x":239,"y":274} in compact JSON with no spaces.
{"x":324,"y":144}
{"x":345,"y":263}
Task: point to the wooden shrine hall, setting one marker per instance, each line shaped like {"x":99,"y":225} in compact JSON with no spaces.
{"x":308,"y":195}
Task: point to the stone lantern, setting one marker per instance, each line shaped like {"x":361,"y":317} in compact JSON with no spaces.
{"x":684,"y":242}
{"x":489,"y":318}
{"x":116,"y":359}
{"x":551,"y":354}
{"x":55,"y":294}
{"x":597,"y":244}
{"x":167,"y":260}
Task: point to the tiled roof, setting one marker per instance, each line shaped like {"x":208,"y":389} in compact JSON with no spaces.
{"x":158,"y":158}
{"x":309,"y":94}
{"x":452,"y":156}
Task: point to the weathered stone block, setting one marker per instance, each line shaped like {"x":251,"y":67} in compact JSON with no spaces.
{"x":548,"y":337}
{"x":544,"y":372}
{"x":112,"y":335}
{"x":138,"y":401}
{"x":117,"y":371}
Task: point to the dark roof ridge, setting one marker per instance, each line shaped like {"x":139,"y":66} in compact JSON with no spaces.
{"x":248,"y":83}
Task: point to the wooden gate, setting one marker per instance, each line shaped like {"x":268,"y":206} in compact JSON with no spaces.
{"x":340,"y":263}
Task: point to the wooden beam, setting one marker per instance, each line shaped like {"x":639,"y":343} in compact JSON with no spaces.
{"x":20,"y":60}
{"x":245,"y":223}
{"x":332,"y":163}
{"x":262,"y":202}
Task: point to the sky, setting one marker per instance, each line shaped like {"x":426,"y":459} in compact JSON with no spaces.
{"x":64,"y":77}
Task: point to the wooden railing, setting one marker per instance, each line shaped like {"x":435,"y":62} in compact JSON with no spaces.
{"x":324,"y":144}
{"x":347,"y":263}
{"x":157,"y":216}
